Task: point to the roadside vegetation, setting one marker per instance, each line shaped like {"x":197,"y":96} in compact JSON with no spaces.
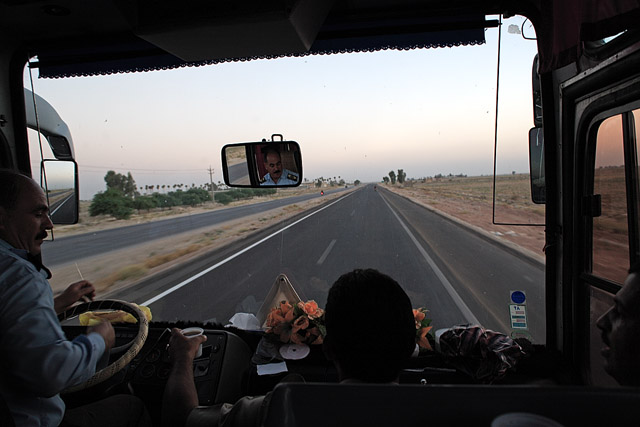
{"x":121,"y":198}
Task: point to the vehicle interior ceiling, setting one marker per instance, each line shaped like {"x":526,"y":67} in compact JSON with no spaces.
{"x":70,"y":38}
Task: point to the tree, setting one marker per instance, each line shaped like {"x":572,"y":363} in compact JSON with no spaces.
{"x":130,"y":186}
{"x":385,"y":179}
{"x":392,"y":176}
{"x":114,"y":180}
{"x":111,"y":202}
{"x":401,"y":176}
{"x":356,"y":182}
{"x":144,"y":202}
{"x":125,"y":184}
{"x":319,"y":183}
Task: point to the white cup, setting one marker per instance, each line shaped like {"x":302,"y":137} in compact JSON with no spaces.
{"x":194,"y":332}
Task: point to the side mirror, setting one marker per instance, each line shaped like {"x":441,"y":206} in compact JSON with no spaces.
{"x":536,"y":166}
{"x":60,"y":180}
{"x":262,"y":164}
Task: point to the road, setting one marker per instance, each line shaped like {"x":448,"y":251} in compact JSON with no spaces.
{"x":239,"y":174}
{"x":62,"y":206}
{"x":457,"y":274}
{"x":63,"y":250}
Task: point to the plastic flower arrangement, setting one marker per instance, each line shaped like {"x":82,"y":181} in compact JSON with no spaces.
{"x":423,"y":327}
{"x":298,"y":323}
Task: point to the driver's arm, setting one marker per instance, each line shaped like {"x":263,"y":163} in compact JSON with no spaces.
{"x":75,"y":292}
{"x":180,"y":395}
{"x":40,"y":358}
{"x":106,"y":331}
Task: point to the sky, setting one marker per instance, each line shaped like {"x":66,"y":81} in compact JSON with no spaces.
{"x":357,"y":116}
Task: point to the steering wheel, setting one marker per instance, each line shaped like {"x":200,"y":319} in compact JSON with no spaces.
{"x":134,"y":348}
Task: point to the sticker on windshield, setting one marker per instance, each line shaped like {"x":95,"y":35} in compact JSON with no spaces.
{"x":518,"y":297}
{"x":518,"y":316}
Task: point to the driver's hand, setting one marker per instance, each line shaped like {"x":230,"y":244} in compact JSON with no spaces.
{"x":108,"y":334}
{"x":182,"y":349}
{"x":75,"y":292}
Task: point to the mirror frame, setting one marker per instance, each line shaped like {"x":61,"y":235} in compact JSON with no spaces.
{"x":253,"y":150}
{"x":67,"y":217}
{"x":536,"y":170}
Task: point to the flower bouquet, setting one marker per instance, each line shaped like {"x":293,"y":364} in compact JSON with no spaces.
{"x":299,"y":323}
{"x":423,"y":328}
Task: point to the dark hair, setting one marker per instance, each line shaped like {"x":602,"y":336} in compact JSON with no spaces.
{"x":370,"y":325}
{"x":267,"y":151}
{"x":11,"y":183}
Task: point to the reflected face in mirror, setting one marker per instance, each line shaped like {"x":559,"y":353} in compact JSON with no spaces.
{"x":273,"y":165}
{"x":262,"y":164}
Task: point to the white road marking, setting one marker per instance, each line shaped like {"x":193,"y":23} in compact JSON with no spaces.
{"x":325,"y":254}
{"x":60,"y":205}
{"x":462,"y":306}
{"x":237,"y":254}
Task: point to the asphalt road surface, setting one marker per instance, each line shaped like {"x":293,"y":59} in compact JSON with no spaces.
{"x":239,"y":174}
{"x":63,"y":208}
{"x":63,"y":250}
{"x":459,"y":275}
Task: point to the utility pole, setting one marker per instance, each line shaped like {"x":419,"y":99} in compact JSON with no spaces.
{"x":211,"y":182}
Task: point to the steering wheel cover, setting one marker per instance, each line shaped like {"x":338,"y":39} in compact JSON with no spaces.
{"x":122,"y":361}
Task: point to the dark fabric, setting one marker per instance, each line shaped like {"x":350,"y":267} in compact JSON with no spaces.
{"x":567,"y":24}
{"x":116,"y":411}
{"x":247,"y":411}
{"x":36,"y":260}
{"x":132,"y":54}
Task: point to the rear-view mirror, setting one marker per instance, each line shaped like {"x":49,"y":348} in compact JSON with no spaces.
{"x":536,"y":166}
{"x":60,"y":181}
{"x":262,"y":164}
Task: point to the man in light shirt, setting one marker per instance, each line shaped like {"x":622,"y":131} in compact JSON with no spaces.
{"x":37,"y":361}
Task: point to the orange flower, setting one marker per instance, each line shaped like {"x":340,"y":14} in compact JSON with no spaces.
{"x":274,"y":318}
{"x":285,"y":307}
{"x":315,"y":336}
{"x":418,"y":315}
{"x":311,"y":309}
{"x":300,"y":323}
{"x":422,"y":338}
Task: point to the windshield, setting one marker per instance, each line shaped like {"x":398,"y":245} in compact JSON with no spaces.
{"x":397,"y":149}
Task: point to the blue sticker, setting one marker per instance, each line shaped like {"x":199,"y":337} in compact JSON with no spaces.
{"x":518,"y":297}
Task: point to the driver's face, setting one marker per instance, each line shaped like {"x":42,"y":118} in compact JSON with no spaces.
{"x":25,"y":225}
{"x":273,"y":166}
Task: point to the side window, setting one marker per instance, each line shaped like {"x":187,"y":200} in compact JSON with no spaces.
{"x":615,"y":239}
{"x":610,"y":230}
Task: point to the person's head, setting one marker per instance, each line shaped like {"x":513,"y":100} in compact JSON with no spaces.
{"x":273,"y":164}
{"x":372,"y":350}
{"x":24,"y":214}
{"x":620,"y":328}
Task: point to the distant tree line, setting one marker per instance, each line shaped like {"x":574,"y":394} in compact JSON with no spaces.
{"x":226,"y":197}
{"x":392,"y":177}
{"x":331,"y":182}
{"x":121,"y":198}
{"x":401,"y":177}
